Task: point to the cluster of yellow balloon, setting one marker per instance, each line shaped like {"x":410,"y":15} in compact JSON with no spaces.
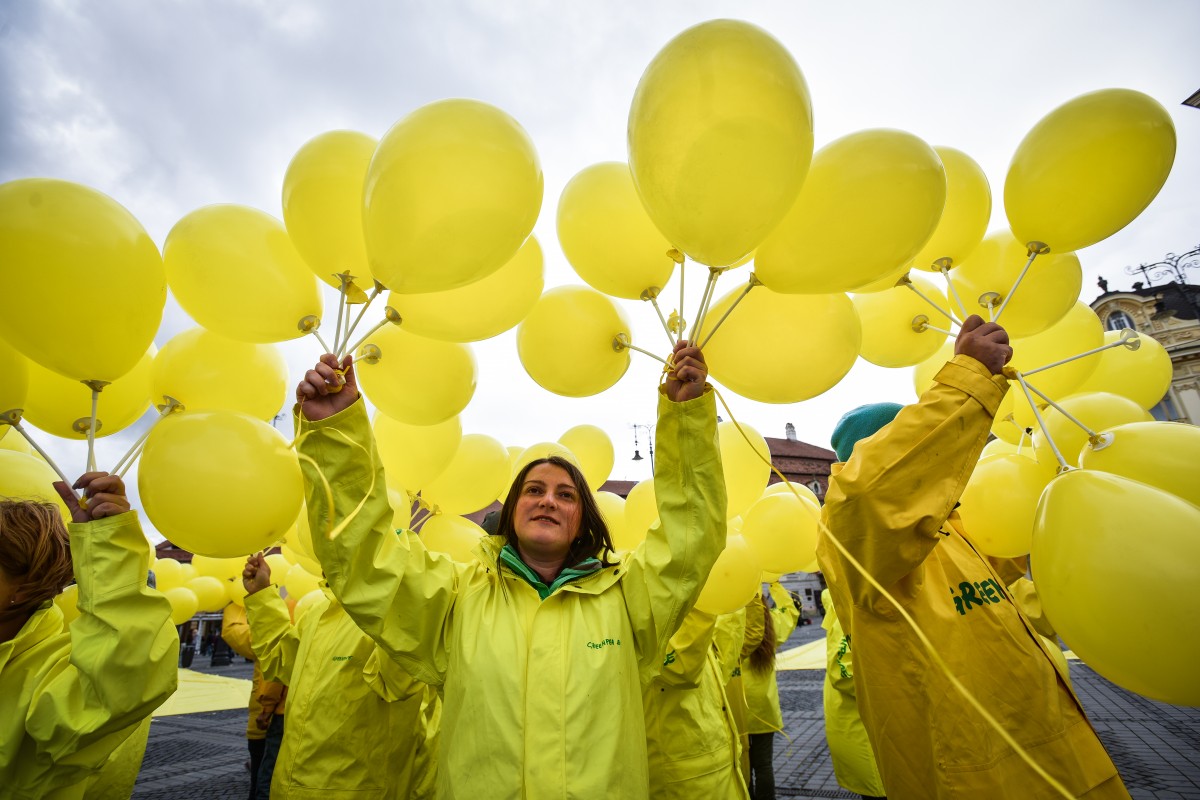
{"x":566,"y":343}
{"x":199,"y":368}
{"x":900,"y":328}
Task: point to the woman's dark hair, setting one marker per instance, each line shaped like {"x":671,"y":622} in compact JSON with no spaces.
{"x":593,"y":540}
{"x":762,"y":658}
{"x":35,"y":553}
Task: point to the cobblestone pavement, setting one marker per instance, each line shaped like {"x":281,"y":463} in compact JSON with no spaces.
{"x":1155,"y":746}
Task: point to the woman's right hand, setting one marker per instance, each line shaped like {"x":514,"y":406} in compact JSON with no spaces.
{"x":327,"y":388}
{"x":257,"y":574}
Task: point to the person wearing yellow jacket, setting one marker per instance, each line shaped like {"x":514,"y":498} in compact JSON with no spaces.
{"x":691,"y":736}
{"x":888,"y":506}
{"x":849,"y":748}
{"x":353,"y":723}
{"x":72,"y":695}
{"x":542,"y":644}
{"x":763,"y":717}
{"x":266,"y":697}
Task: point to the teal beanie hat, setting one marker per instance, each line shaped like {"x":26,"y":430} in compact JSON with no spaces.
{"x":860,"y":423}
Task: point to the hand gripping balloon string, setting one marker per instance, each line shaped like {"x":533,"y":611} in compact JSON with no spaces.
{"x":943,"y":265}
{"x":907,"y":281}
{"x":651,"y":295}
{"x":1130,"y":340}
{"x":1009,"y":372}
{"x":621,"y":342}
{"x":350,"y":331}
{"x":13,"y":417}
{"x":930,"y":650}
{"x":1035,"y":249}
{"x":165,"y":410}
{"x":754,"y":281}
{"x":390,"y":315}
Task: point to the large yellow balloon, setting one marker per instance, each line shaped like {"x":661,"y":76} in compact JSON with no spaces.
{"x":965,"y":217}
{"x":1161,"y":454}
{"x":168,"y":574}
{"x":1088,"y":168}
{"x":452,"y":191}
{"x":792,"y":489}
{"x":541,"y":450}
{"x":514,"y":455}
{"x":641,"y":508}
{"x":55,"y":403}
{"x":299,"y":581}
{"x":746,"y":459}
{"x":251,"y":463}
{"x":223,"y":569}
{"x":1143,"y":375}
{"x":781,"y":530}
{"x":416,"y":380}
{"x":413,"y":455}
{"x":1078,"y":331}
{"x":208,"y":372}
{"x":479,"y":310}
{"x":743,"y":353}
{"x":184,"y":604}
{"x":890,"y":333}
{"x":472,"y":479}
{"x":720,"y":138}
{"x":26,"y":477}
{"x":236,"y":591}
{"x":733,"y":581}
{"x":452,"y":535}
{"x":999,"y":504}
{"x":84,"y":285}
{"x":322,"y":205}
{"x":1048,"y":291}
{"x":612,"y":509}
{"x":593,"y":449}
{"x":15,"y":386}
{"x":210,"y":593}
{"x":236,"y":272}
{"x":869,"y":205}
{"x":607,"y":236}
{"x":927,"y":370}
{"x":305,"y":604}
{"x":1098,"y":410}
{"x":279,"y":566}
{"x":1116,"y":563}
{"x":566,"y":342}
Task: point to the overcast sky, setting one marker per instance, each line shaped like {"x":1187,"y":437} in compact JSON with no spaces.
{"x":170,"y":106}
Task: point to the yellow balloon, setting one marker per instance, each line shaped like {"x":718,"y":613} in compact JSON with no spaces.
{"x":25,"y":477}
{"x":413,"y":455}
{"x":452,"y":535}
{"x":168,"y":573}
{"x":1143,"y":375}
{"x":84,"y":285}
{"x":733,"y":580}
{"x":1116,"y":563}
{"x":747,"y":463}
{"x":55,"y":403}
{"x":1098,"y":410}
{"x":888,"y":281}
{"x":479,"y":310}
{"x":1048,"y":291}
{"x":259,"y":476}
{"x":999,"y":503}
{"x":892,"y":333}
{"x":781,"y":529}
{"x":207,"y":372}
{"x":720,"y":138}
{"x":322,"y":206}
{"x":305,"y":604}
{"x":612,"y":508}
{"x":514,"y":455}
{"x":299,"y":581}
{"x":1088,"y":168}
{"x":453,"y":190}
{"x":927,"y":370}
{"x":641,"y":509}
{"x":187,"y":572}
{"x":223,"y":569}
{"x":871,"y":202}
{"x":279,"y":566}
{"x":566,"y":342}
{"x":184,"y":604}
{"x":1078,"y":331}
{"x":607,"y":236}
{"x":210,"y":593}
{"x":296,"y":557}
{"x":1161,"y":454}
{"x":236,"y":272}
{"x":15,"y":386}
{"x":741,"y":355}
{"x":415,"y":380}
{"x":236,"y":591}
{"x":541,"y":450}
{"x":788,"y":487}
{"x":472,"y":479}
{"x":67,"y":601}
{"x":965,"y":217}
{"x":594,"y":451}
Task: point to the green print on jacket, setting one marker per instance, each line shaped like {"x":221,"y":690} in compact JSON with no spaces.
{"x":968,"y":595}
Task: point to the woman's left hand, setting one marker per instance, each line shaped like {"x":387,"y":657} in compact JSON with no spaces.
{"x":686,"y":381}
{"x":105,"y":496}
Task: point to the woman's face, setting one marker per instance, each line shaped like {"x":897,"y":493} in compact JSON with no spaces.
{"x":548,"y":512}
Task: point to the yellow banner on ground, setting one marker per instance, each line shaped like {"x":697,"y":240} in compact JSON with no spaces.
{"x":200,"y":692}
{"x":808,"y":656}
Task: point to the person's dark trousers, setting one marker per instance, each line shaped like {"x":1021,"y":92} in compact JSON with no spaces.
{"x":270,"y":753}
{"x":257,"y":747}
{"x":762,"y":769}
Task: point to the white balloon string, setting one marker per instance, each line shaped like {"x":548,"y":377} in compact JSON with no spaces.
{"x":327,"y":348}
{"x":666,"y":328}
{"x":13,"y":418}
{"x":1024,"y":435}
{"x":358,"y":319}
{"x":337,"y":326}
{"x":621,"y":342}
{"x":954,"y":291}
{"x":930,"y":650}
{"x":1091,"y":433}
{"x":991,"y":307}
{"x":682,"y":272}
{"x":1032,"y":255}
{"x":91,"y":431}
{"x":925,"y":326}
{"x":366,"y":336}
{"x":344,"y":335}
{"x":121,"y":467}
{"x":705,"y":301}
{"x":907,"y":281}
{"x":1122,"y":343}
{"x":1062,"y":462}
{"x":754,"y":281}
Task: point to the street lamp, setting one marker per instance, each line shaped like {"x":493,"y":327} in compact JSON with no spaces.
{"x":1174,"y":269}
{"x":637,"y":455}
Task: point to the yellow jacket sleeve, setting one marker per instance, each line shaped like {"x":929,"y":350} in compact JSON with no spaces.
{"x":785,"y":615}
{"x":397,"y":592}
{"x":730,"y":635}
{"x":235,"y":630}
{"x":388,"y":679}
{"x":124,"y":652}
{"x":888,"y":502}
{"x":275,"y":640}
{"x":688,"y":651}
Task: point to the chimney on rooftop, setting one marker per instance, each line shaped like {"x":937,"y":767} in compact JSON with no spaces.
{"x":789,"y":431}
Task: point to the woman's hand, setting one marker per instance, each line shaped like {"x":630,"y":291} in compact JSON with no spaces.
{"x":105,"y":496}
{"x":257,"y":574}
{"x":686,"y":381}
{"x":986,"y":342}
{"x":327,"y":388}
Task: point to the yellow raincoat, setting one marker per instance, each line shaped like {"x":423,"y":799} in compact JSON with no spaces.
{"x":735,"y":637}
{"x":542,"y":698}
{"x":762,"y":690}
{"x":691,"y":735}
{"x":71,"y":696}
{"x":353,"y":721}
{"x":264,"y":694}
{"x":888,"y":506}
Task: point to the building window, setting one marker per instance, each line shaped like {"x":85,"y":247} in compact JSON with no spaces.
{"x":816,"y":487}
{"x":1165,"y":410}
{"x":1119,"y":320}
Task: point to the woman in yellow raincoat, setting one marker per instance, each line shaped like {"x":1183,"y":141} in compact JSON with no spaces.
{"x":542,"y":644}
{"x":72,"y":695}
{"x":763,"y":716}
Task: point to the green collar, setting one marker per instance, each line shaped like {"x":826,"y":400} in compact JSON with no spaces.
{"x":510,"y":557}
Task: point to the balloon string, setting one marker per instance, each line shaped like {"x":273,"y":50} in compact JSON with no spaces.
{"x":1124,"y":342}
{"x":1025,"y":387}
{"x":921,"y":637}
{"x":754,"y":281}
{"x":327,"y":348}
{"x":705,"y":301}
{"x":121,"y":467}
{"x":366,"y":336}
{"x":921,"y":324}
{"x":945,"y":270}
{"x":1091,"y":433}
{"x":652,"y":296}
{"x":907,"y":281}
{"x":337,"y":326}
{"x":358,"y":319}
{"x":1033,"y":253}
{"x":621,"y":342}
{"x":13,"y":418}
{"x":91,"y":431}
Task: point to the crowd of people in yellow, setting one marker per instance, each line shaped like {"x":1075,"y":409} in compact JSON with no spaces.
{"x":552,"y":666}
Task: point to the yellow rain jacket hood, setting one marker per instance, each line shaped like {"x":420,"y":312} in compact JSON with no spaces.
{"x":888,"y":506}
{"x":542,"y":698}
{"x":71,"y":695}
{"x":762,"y":690}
